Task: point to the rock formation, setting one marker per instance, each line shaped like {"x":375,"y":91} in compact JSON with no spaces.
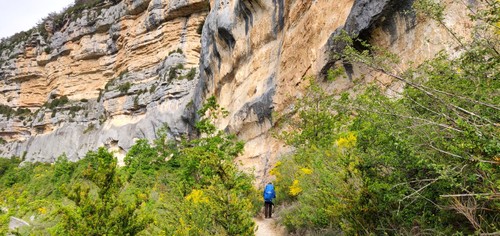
{"x":256,"y":54}
{"x":110,"y":76}
{"x":123,"y":76}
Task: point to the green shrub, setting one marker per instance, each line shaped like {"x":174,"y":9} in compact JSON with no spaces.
{"x":23,"y":111}
{"x":136,"y":102}
{"x":175,"y":51}
{"x":123,"y":88}
{"x":191,"y":74}
{"x":172,"y":74}
{"x":74,"y":109}
{"x":89,"y":128}
{"x":122,"y":74}
{"x":63,"y":170}
{"x":152,"y":89}
{"x":98,"y":208}
{"x":6,"y":110}
{"x":57,"y":102}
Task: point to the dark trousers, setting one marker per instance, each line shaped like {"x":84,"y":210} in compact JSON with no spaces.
{"x":268,"y":209}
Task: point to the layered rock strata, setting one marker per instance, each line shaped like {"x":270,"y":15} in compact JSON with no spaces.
{"x":123,"y":76}
{"x":111,"y":76}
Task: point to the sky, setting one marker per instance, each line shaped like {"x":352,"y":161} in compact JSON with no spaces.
{"x":21,"y":15}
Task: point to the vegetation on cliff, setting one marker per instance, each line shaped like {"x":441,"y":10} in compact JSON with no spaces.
{"x":191,"y":187}
{"x":57,"y":20}
{"x":424,"y":162}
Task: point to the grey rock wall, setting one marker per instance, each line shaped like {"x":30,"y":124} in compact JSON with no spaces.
{"x":128,"y":55}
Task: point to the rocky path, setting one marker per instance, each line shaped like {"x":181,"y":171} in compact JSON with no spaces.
{"x":267,"y":227}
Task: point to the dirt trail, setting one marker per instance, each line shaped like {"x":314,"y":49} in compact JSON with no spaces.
{"x":267,"y":227}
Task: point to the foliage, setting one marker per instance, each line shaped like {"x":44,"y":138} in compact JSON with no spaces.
{"x":207,"y":166}
{"x":14,"y":40}
{"x":57,"y":102}
{"x":426,"y":162}
{"x":321,"y":179}
{"x":172,"y":73}
{"x":63,"y":170}
{"x":75,"y":11}
{"x":47,"y":50}
{"x":123,"y":88}
{"x":152,"y":89}
{"x":191,"y":187}
{"x":98,"y":207}
{"x":178,"y":50}
{"x":191,"y":74}
{"x":6,"y":110}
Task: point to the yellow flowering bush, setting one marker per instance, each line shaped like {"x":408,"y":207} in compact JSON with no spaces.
{"x":295,"y":189}
{"x":197,"y":196}
{"x":347,"y":142}
{"x":306,"y":171}
{"x":42,"y":210}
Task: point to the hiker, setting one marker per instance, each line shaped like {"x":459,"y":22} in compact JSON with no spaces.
{"x":269,"y":194}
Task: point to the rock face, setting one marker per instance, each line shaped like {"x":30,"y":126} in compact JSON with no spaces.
{"x":124,"y":77}
{"x":111,"y":76}
{"x":255,"y":55}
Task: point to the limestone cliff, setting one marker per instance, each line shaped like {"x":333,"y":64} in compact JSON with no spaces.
{"x":255,"y":55}
{"x":116,"y":66}
{"x":111,"y":75}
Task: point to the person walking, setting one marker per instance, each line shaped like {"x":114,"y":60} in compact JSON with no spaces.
{"x":269,"y":194}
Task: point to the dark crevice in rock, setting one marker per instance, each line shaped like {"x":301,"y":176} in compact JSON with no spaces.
{"x":400,"y":10}
{"x":278,"y":16}
{"x":244,"y":12}
{"x":348,"y":70}
{"x":227,"y":37}
{"x":216,"y":53}
{"x":365,"y":16}
{"x":262,"y":106}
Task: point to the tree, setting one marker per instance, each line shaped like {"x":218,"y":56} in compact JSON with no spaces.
{"x":98,"y":207}
{"x":212,"y":184}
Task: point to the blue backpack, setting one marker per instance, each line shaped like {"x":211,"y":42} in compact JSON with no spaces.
{"x":269,"y":193}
